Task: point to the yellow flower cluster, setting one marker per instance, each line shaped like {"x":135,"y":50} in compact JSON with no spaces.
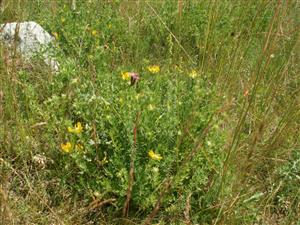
{"x":153,"y":69}
{"x":77,"y":129}
{"x":125,"y":75}
{"x":154,"y":155}
{"x":68,"y":146}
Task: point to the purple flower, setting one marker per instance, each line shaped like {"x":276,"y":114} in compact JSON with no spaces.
{"x":134,"y":77}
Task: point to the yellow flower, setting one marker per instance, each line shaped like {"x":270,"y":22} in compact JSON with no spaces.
{"x":154,"y":156}
{"x":193,"y":74}
{"x":125,"y":75}
{"x":153,"y":69}
{"x":63,"y":19}
{"x":94,"y":33}
{"x":66,"y":147}
{"x":77,"y":129}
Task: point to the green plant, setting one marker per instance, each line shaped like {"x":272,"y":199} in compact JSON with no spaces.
{"x":166,"y":112}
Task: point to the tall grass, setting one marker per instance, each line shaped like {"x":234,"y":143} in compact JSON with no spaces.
{"x":223,"y":112}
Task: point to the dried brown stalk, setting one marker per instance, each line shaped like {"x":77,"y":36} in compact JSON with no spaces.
{"x":131,"y":171}
{"x":187,"y":209}
{"x":98,"y":203}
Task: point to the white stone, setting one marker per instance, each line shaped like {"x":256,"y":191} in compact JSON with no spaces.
{"x":31,"y":39}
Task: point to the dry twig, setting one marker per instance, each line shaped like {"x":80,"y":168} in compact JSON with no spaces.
{"x":131,"y":171}
{"x":187,"y":209}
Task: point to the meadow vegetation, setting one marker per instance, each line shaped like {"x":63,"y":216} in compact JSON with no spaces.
{"x":162,"y":112}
